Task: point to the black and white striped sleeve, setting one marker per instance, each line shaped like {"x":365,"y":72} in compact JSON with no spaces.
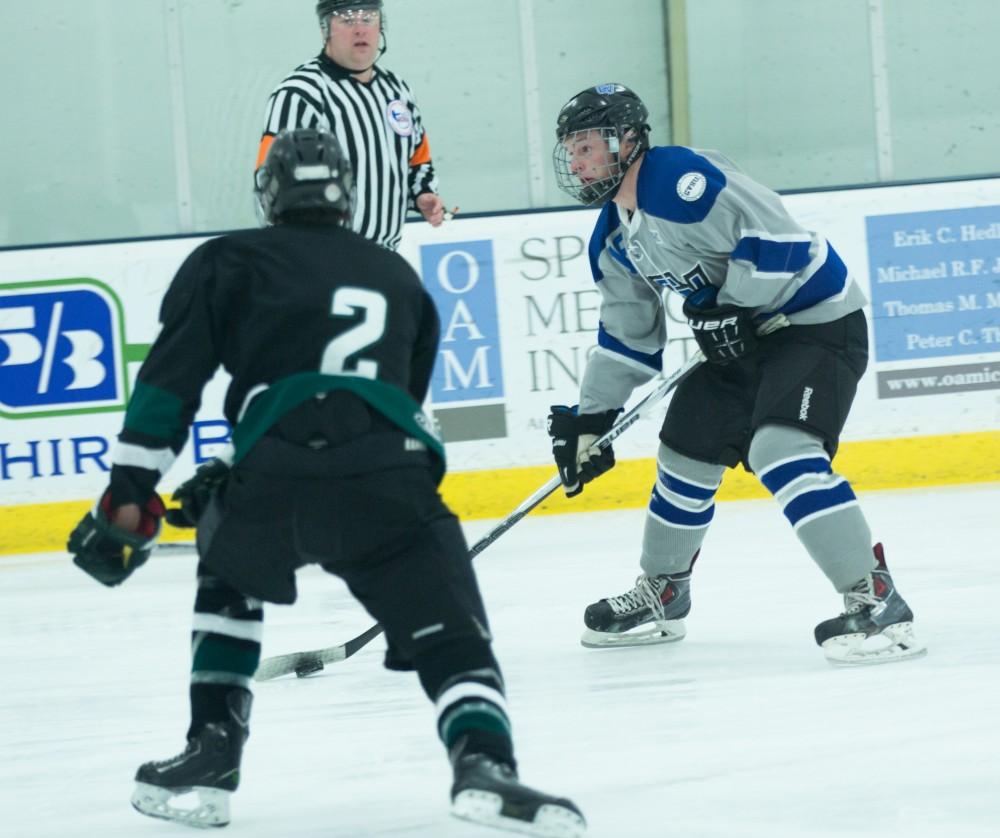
{"x":421,"y":175}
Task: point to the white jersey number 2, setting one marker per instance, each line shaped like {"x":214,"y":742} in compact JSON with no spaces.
{"x":347,"y":302}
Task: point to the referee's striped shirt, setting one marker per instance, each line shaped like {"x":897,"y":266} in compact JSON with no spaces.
{"x":379,"y":125}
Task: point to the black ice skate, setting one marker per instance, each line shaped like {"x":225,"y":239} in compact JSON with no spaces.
{"x":208,"y":769}
{"x":876,"y":626}
{"x":652,"y":612}
{"x":486,"y":791}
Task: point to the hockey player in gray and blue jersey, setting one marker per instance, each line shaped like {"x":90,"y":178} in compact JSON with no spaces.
{"x":779,"y":319}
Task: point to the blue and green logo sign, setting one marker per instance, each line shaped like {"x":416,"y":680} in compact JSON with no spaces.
{"x":62,"y":349}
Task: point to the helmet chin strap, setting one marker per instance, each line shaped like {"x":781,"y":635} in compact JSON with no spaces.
{"x":638,"y":147}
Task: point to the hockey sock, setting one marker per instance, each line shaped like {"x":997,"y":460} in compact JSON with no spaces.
{"x":820,"y":504}
{"x":681,"y":507}
{"x":225,"y":648}
{"x":477,"y":711}
{"x":463,"y":679}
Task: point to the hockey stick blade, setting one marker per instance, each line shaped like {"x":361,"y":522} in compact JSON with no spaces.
{"x":305,"y":663}
{"x":176,"y":548}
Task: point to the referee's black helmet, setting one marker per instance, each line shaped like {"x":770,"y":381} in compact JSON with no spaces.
{"x":325,"y":8}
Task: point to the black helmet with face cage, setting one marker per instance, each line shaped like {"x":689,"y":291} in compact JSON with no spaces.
{"x":617,"y":113}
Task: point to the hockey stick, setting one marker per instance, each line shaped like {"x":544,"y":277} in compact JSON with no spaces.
{"x":305,"y":663}
{"x":176,"y":547}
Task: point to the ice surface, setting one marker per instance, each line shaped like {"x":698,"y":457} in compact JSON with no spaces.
{"x":740,"y":730}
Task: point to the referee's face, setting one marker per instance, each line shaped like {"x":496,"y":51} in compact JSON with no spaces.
{"x":353,"y":41}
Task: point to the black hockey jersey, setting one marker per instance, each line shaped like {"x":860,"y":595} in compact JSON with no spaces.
{"x":288,"y":311}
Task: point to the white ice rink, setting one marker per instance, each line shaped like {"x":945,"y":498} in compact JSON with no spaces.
{"x":741,"y":730}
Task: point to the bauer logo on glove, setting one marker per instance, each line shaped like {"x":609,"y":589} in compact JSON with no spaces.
{"x":723,"y":332}
{"x":111,"y":554}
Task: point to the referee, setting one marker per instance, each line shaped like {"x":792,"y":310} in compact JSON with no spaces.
{"x":372,"y":113}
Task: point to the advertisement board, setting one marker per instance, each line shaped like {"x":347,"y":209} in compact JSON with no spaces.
{"x":519,"y":313}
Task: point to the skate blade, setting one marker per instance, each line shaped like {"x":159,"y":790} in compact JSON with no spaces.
{"x":669,"y":631}
{"x":894,"y":643}
{"x":486,"y":809}
{"x":211,"y":806}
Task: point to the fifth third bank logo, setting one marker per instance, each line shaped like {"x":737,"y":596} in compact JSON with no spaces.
{"x":60,"y":349}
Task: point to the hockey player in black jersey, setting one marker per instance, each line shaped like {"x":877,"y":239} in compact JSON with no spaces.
{"x":330,"y":341}
{"x":779,"y":319}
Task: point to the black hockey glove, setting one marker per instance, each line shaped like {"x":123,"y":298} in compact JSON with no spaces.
{"x":195,"y":492}
{"x":111,"y":554}
{"x":573,"y":436}
{"x":724,"y":333}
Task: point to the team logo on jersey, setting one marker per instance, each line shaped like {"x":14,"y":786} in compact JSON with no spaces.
{"x":691,"y":186}
{"x":61,"y":349}
{"x":399,"y":117}
{"x":619,"y":252}
{"x":689,"y":282}
{"x":428,"y":424}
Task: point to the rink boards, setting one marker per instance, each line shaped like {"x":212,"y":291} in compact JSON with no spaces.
{"x":519,"y":313}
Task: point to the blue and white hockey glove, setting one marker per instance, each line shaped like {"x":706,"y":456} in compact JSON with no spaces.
{"x":724,"y":333}
{"x":109,"y":553}
{"x":573,"y":434}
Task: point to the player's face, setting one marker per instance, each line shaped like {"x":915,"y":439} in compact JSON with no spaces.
{"x":590,"y":158}
{"x":354,"y":37}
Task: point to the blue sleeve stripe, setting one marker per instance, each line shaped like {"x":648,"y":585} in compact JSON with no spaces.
{"x":829,"y":280}
{"x":769,"y":256}
{"x":775,"y":479}
{"x":820,"y":500}
{"x":661,"y":508}
{"x":612,"y":344}
{"x":683,"y":488}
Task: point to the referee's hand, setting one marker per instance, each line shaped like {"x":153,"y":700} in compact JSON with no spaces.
{"x":431,"y":208}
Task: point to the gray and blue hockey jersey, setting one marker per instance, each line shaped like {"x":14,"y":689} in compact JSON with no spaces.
{"x":699,"y":221}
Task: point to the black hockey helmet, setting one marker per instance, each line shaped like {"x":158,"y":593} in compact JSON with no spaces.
{"x":616,"y":113}
{"x":325,"y":8}
{"x":305,"y":170}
